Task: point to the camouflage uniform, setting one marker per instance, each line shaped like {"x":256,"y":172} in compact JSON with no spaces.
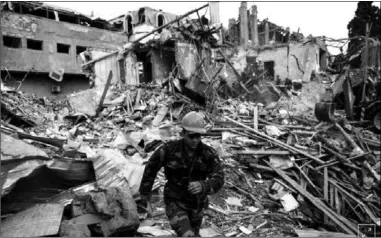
{"x":184,"y":210}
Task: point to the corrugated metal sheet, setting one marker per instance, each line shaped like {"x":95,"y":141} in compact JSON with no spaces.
{"x":102,"y":69}
{"x":38,"y":182}
{"x":112,"y":169}
{"x":67,"y":196}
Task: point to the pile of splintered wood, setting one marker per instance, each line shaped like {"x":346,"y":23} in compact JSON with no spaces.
{"x":335,"y":167}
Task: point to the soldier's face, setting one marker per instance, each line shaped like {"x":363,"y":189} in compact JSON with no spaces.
{"x":191,"y":139}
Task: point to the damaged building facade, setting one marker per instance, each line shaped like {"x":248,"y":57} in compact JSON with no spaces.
{"x":143,"y":20}
{"x":73,"y":167}
{"x":283,"y":54}
{"x":154,"y":54}
{"x":40,"y":39}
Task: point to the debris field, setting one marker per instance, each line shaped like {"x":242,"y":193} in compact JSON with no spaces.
{"x":294,"y":166}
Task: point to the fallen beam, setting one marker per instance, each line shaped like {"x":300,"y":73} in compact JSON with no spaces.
{"x":372,"y":171}
{"x":358,"y":201}
{"x":146,"y":35}
{"x":341,"y":221}
{"x":262,"y":152}
{"x":104,"y":94}
{"x":275,"y":141}
{"x":231,"y":66}
{"x":51,"y":141}
{"x":349,"y":139}
{"x":330,"y":163}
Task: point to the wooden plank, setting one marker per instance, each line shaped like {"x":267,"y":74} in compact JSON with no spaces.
{"x":331,"y":197}
{"x":40,"y":220}
{"x":363,"y":205}
{"x":138,"y":97}
{"x":275,"y":141}
{"x":104,"y":94}
{"x":337,"y":201}
{"x":307,"y":178}
{"x":341,"y":221}
{"x":255,"y":117}
{"x":334,"y":161}
{"x":325,"y":190}
{"x":262,"y":152}
{"x":372,"y":171}
{"x":160,"y":115}
{"x":146,"y":35}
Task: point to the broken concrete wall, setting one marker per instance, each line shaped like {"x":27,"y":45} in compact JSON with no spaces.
{"x":311,"y":61}
{"x":103,"y":67}
{"x":186,"y":57}
{"x":132,"y":69}
{"x":151,"y":16}
{"x":162,"y":64}
{"x":51,"y":33}
{"x":293,"y":61}
{"x":87,"y":101}
{"x":140,"y":31}
{"x":239,"y":59}
{"x":41,"y":84}
{"x":151,"y":20}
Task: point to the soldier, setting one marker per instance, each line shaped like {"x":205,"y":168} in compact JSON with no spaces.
{"x":193,"y":171}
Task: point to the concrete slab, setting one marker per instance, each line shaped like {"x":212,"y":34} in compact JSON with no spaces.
{"x":86,"y":101}
{"x":115,"y":205}
{"x":69,"y":229}
{"x":40,"y":220}
{"x":12,"y":149}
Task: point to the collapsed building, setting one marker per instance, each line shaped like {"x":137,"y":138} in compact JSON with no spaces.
{"x":281,"y":53}
{"x":73,"y":168}
{"x":39,"y":40}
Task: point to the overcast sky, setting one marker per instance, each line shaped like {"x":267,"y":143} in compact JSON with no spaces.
{"x":316,"y":18}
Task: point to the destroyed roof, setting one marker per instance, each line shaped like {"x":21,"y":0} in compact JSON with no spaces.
{"x":56,"y":8}
{"x":149,"y":12}
{"x":312,"y":40}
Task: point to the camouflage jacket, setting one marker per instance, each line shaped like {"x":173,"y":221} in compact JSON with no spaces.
{"x":177,"y":165}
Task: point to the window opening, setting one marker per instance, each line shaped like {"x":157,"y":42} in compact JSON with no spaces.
{"x":129,"y":24}
{"x":79,"y":49}
{"x":142,"y":17}
{"x":12,"y":42}
{"x":160,"y":20}
{"x":34,"y":44}
{"x":62,"y":48}
{"x":269,"y":67}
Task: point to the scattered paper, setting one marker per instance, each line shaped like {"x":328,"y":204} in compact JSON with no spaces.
{"x":289,"y":202}
{"x":245,"y":230}
{"x":281,"y":162}
{"x":155,"y":231}
{"x":209,"y":232}
{"x":253,"y":209}
{"x":233,"y":201}
{"x":273,"y":131}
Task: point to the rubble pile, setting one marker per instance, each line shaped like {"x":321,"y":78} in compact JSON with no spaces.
{"x":315,"y":161}
{"x":282,"y":178}
{"x":16,"y":105}
{"x":74,"y":167}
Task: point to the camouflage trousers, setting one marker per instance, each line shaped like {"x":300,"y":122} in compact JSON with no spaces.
{"x":185,"y":222}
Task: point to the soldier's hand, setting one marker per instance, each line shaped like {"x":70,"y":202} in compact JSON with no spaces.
{"x":195,"y":187}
